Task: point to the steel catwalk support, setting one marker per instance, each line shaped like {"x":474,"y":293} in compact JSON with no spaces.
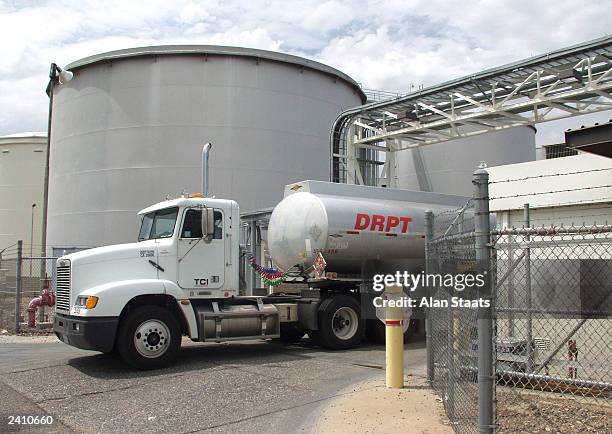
{"x":486,"y":374}
{"x":560,"y":84}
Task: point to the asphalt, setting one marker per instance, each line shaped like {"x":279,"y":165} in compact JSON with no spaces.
{"x":239,"y":387}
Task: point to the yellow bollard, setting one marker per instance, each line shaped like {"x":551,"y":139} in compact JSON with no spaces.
{"x":394,"y":339}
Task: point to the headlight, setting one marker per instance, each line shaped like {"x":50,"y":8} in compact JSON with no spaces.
{"x":87,"y":301}
{"x":63,"y":262}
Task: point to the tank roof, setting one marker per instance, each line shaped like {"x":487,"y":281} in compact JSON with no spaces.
{"x":22,"y":135}
{"x":215,"y":50}
{"x":23,"y":138}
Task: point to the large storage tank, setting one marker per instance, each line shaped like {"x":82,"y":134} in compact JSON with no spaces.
{"x":22,"y":170}
{"x":129,"y":127}
{"x":447,"y":167}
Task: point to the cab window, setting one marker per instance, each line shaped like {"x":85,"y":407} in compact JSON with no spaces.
{"x":192,"y":224}
{"x":158,"y":224}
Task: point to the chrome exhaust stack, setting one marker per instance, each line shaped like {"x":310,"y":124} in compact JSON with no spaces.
{"x":205,"y":153}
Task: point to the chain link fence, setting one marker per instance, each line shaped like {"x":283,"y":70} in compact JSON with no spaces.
{"x":22,"y":277}
{"x":452,"y":331}
{"x":550,"y":328}
{"x":8,"y":285}
{"x":554,"y":327}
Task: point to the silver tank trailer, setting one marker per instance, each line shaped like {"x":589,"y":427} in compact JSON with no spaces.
{"x":350,"y":224}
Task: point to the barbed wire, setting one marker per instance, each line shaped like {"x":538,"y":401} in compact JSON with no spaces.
{"x":550,"y":175}
{"x":559,"y":217}
{"x":594,"y":201}
{"x":552,"y":192}
{"x":455,"y":210}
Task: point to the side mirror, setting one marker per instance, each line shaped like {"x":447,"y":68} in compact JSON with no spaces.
{"x":208,"y":223}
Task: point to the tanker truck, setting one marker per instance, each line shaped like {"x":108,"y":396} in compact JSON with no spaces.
{"x":181,"y":278}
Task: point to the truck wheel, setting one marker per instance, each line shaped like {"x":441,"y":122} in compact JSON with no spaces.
{"x":375,"y":331}
{"x":149,"y":338}
{"x":340,"y":323}
{"x":291,"y":333}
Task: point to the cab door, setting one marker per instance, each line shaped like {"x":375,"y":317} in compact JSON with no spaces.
{"x":201,"y":263}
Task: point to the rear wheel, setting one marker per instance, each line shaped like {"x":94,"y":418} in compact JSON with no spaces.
{"x":149,"y":338}
{"x":340,"y":323}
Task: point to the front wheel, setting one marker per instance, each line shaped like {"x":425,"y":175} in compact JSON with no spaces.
{"x":149,"y":338}
{"x":340,"y":323}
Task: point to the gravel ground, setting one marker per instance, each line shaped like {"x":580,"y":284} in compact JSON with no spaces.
{"x":539,"y":412}
{"x":32,"y":338}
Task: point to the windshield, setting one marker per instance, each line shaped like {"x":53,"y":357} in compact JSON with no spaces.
{"x":158,"y":224}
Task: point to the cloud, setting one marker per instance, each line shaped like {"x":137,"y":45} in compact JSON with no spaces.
{"x":388,"y":45}
{"x":328,"y":16}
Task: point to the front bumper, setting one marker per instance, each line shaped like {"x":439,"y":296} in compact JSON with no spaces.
{"x":94,"y":333}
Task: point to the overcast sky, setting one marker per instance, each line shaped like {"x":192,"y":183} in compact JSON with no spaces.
{"x":384,"y":45}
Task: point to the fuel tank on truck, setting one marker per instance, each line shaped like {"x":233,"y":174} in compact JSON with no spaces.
{"x":351,"y":225}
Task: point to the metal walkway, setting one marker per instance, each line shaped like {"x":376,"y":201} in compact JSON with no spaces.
{"x":569,"y":82}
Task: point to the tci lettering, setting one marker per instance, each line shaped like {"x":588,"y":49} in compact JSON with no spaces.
{"x":381,"y":223}
{"x":201,"y":282}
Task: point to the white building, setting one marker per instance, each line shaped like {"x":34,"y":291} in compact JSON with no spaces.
{"x":578,"y":182}
{"x":569,"y":273}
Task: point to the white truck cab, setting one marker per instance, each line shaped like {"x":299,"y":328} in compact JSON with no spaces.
{"x":179,"y":260}
{"x":197,"y":265}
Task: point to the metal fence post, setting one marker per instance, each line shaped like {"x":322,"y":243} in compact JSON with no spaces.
{"x":450,"y":358}
{"x":429,"y":229}
{"x":18,"y":278}
{"x":528,"y":291}
{"x":511,"y":288}
{"x":482,"y":232}
{"x":43,"y":265}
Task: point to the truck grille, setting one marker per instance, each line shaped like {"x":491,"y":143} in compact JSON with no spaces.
{"x":62,"y":288}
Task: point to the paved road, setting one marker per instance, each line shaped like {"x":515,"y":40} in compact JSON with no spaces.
{"x":237,"y":387}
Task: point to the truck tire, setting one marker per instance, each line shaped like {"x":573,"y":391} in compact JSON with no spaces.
{"x":375,"y":332}
{"x":149,"y":338}
{"x":340,"y":323}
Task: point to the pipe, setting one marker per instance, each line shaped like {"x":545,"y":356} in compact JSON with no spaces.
{"x":50,"y":85}
{"x":46,"y":298}
{"x":205,"y":153}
